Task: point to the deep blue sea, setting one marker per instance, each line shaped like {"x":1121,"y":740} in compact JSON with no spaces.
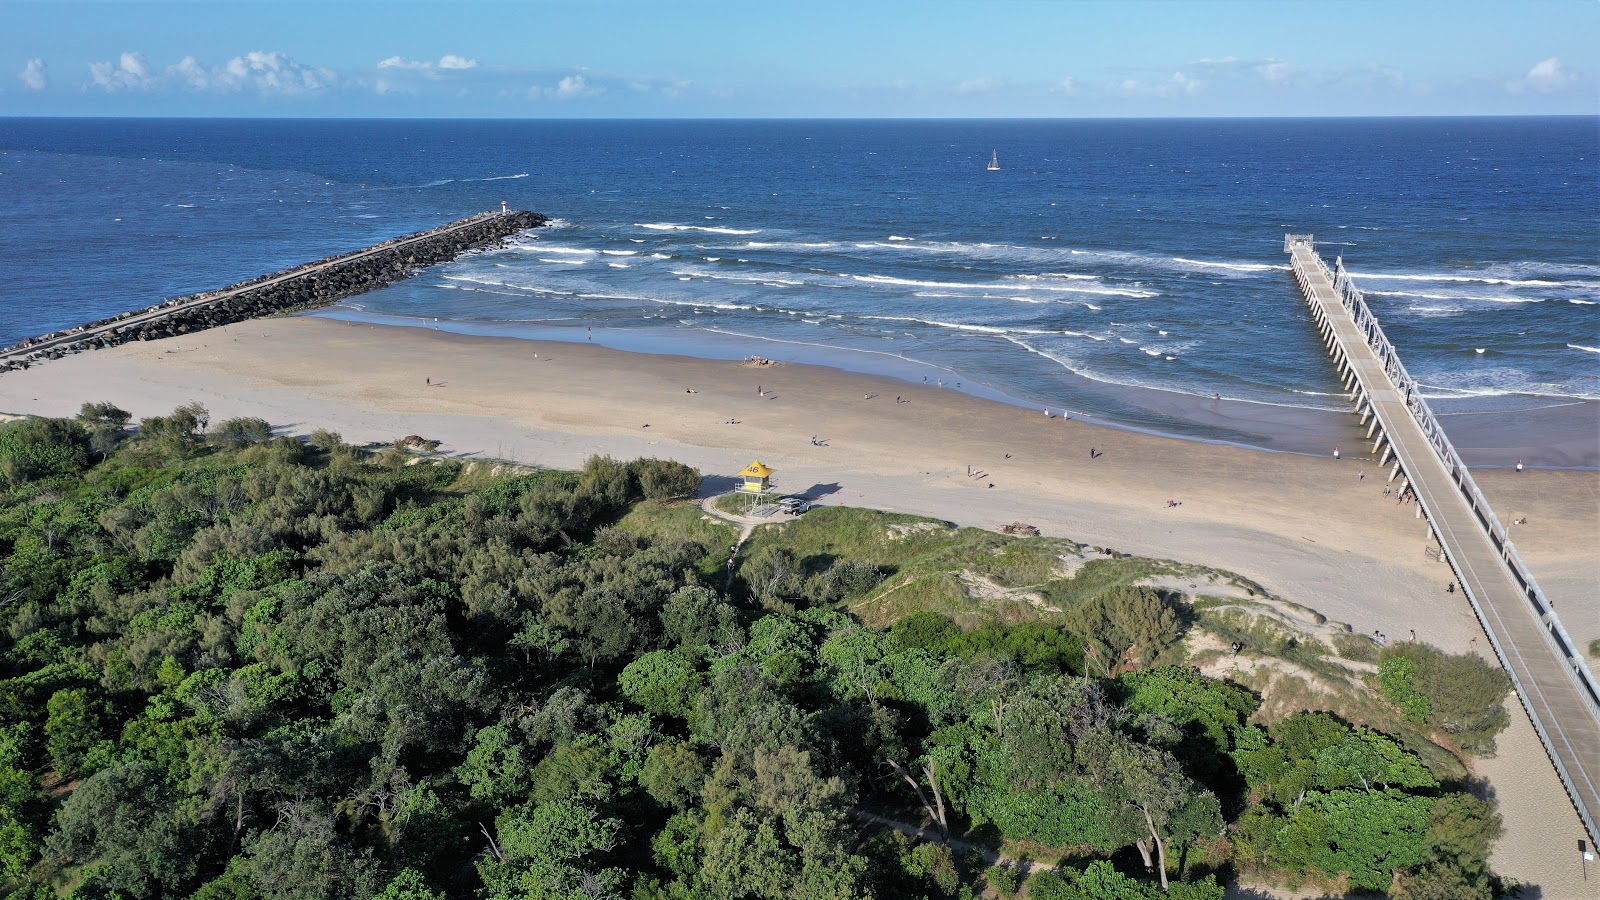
{"x":1124,"y":268}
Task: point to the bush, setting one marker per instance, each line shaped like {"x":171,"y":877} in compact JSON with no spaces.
{"x":1002,"y":880}
{"x":663,"y":479}
{"x":34,"y":449}
{"x":1125,"y":628}
{"x":1397,"y":681}
{"x":608,"y":481}
{"x":241,"y":432}
{"x":845,"y":580}
{"x":1462,"y":695}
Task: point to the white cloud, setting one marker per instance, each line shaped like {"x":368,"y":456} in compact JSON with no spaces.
{"x":1547,"y":76}
{"x":1178,"y":84}
{"x":1067,"y":85}
{"x":400,"y":62}
{"x":576,"y":86}
{"x":1276,"y":71}
{"x":1183,"y":84}
{"x":569,"y":87}
{"x":277,"y":73}
{"x":977,"y":86}
{"x":34,"y":76}
{"x":449,"y":62}
{"x":130,"y":72}
{"x":272,"y":73}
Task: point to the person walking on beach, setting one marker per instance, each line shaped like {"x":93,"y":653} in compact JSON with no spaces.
{"x":1336,"y":453}
{"x":1519,"y":465}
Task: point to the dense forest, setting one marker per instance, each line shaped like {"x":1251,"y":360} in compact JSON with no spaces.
{"x":238,"y":665}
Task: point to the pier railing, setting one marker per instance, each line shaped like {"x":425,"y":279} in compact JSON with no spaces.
{"x":1411,"y":390}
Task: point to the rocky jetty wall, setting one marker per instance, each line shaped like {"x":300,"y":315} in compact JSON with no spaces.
{"x":303,"y":287}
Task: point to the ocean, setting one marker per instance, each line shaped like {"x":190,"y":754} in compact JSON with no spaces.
{"x":1129,"y":270}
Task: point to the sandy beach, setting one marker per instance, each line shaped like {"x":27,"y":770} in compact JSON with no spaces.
{"x":1315,"y":530}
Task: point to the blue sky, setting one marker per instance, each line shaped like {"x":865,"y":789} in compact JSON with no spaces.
{"x":776,"y":58}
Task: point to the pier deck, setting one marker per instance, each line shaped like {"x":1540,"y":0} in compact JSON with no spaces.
{"x":1551,"y":679}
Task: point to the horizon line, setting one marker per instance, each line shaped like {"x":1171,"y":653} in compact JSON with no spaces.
{"x":1111,"y":118}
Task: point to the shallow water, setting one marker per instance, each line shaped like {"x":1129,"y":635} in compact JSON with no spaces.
{"x":1128,"y":269}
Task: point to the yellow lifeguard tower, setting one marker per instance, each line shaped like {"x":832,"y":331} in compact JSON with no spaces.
{"x":755,"y":482}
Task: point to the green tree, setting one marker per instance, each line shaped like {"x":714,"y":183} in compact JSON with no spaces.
{"x":241,"y":432}
{"x":32,"y":449}
{"x":409,"y":885}
{"x":552,"y":851}
{"x":1397,"y":677}
{"x":665,"y":682}
{"x":72,"y":728}
{"x":663,"y":479}
{"x":1125,"y":628}
{"x":673,"y":774}
{"x":696,"y":616}
{"x":1150,"y":782}
{"x":123,"y":820}
{"x":496,"y":769}
{"x":1365,"y":835}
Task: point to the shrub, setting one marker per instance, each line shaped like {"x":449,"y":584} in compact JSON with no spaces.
{"x":1003,"y":880}
{"x":1125,"y":628}
{"x":608,"y":481}
{"x":1464,"y":694}
{"x":241,"y":432}
{"x":844,"y":580}
{"x":34,"y":449}
{"x":1397,"y":677}
{"x":663,"y":479}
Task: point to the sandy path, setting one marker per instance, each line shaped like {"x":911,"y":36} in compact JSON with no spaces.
{"x":1309,"y":529}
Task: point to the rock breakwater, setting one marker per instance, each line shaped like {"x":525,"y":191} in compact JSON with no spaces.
{"x":303,"y":287}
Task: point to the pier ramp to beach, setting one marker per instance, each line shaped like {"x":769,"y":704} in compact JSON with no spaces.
{"x":306,"y":286}
{"x":1546,"y":666}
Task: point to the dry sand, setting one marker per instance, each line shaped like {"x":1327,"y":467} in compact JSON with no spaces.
{"x":1309,"y":529}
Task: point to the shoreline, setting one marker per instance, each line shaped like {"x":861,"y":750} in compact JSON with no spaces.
{"x":1562,"y":441}
{"x":1308,"y":528}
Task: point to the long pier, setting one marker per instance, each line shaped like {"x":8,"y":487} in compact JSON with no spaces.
{"x":1546,"y":666}
{"x":302,"y":287}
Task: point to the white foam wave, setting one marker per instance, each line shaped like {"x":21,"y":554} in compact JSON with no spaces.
{"x":1237,"y":267}
{"x":1585,"y":302}
{"x":708,"y":229}
{"x":491,"y":282}
{"x":1066,"y":276}
{"x":896,"y":237}
{"x":1469,"y":297}
{"x":962,"y":326}
{"x":704,"y":304}
{"x":1037,"y":286}
{"x":1582,"y":347}
{"x":1470,"y":279}
{"x":790,"y":245}
{"x":570,"y":251}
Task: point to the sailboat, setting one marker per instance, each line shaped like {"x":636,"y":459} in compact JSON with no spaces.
{"x":994,"y":162}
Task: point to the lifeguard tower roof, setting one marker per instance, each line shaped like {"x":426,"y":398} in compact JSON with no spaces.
{"x":756,"y":470}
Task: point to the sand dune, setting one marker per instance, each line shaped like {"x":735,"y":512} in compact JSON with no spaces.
{"x":1309,"y":529}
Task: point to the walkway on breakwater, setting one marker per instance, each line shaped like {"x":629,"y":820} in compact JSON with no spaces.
{"x":1547,"y":669}
{"x":313,"y":284}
